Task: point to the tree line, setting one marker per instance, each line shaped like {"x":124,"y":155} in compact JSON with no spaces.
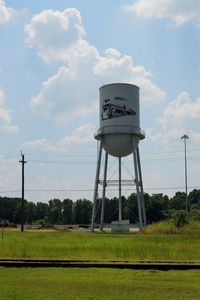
{"x":158,"y":207}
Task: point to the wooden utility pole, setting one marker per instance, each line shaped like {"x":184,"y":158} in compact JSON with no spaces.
{"x":22,"y":203}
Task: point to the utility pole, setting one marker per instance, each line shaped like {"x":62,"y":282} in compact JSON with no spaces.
{"x":22,"y":203}
{"x":185,"y":137}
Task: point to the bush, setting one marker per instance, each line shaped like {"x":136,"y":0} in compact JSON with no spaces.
{"x":168,"y":227}
{"x":179,"y":218}
{"x":194,"y":215}
{"x":163,"y":227}
{"x":41,"y":222}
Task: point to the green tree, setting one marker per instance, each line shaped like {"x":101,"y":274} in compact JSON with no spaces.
{"x":111,"y":210}
{"x":10,"y":209}
{"x":41,"y":211}
{"x":82,"y":211}
{"x":156,"y":207}
{"x":178,"y":202}
{"x":67,"y":212}
{"x":130,"y":211}
{"x":55,"y":211}
{"x":30,"y":212}
{"x":194,"y":197}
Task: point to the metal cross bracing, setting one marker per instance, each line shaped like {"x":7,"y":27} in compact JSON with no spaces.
{"x":115,"y":182}
{"x":136,"y":183}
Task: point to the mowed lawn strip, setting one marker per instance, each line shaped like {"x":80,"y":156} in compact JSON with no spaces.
{"x":94,"y":246}
{"x":60,"y":284}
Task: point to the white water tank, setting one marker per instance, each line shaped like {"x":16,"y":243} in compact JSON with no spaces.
{"x":119,"y":119}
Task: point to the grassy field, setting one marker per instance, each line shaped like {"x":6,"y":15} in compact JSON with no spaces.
{"x":98,"y":284}
{"x":85,"y":245}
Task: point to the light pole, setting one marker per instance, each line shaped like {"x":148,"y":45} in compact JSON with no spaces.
{"x":185,"y":137}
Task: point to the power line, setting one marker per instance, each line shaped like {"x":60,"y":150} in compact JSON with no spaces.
{"x":81,"y":154}
{"x":144,"y":161}
{"x":66,"y":154}
{"x":91,"y":190}
{"x":60,"y":162}
{"x":61,"y":155}
{"x":154,"y":160}
{"x":12,"y":191}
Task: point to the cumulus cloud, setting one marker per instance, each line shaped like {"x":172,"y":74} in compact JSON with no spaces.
{"x":10,"y":171}
{"x":6,"y":13}
{"x":180,"y":111}
{"x":181,"y":116}
{"x":115,"y":67}
{"x":41,"y":144}
{"x":180,"y":11}
{"x":79,"y":136}
{"x":73,"y":91}
{"x":57,"y":35}
{"x":151,"y":135}
{"x":5,"y":115}
{"x":67,"y":95}
{"x":6,"y":164}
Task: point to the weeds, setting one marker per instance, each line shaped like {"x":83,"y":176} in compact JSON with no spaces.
{"x":158,"y":241}
{"x":168,"y":227}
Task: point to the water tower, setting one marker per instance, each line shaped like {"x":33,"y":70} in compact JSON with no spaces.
{"x":119,"y":135}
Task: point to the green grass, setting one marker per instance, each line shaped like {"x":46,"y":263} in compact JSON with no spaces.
{"x":167,"y":227}
{"x":98,"y":284}
{"x":85,"y":245}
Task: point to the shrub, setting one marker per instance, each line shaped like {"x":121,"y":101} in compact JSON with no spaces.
{"x":179,"y":218}
{"x":41,"y":222}
{"x":163,"y":227}
{"x":194,"y":215}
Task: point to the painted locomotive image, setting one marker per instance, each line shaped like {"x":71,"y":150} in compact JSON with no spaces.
{"x":111,"y":110}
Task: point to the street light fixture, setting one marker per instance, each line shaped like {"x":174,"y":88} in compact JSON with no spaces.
{"x":185,"y":137}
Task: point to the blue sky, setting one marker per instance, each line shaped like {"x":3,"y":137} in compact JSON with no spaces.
{"x":54,"y":56}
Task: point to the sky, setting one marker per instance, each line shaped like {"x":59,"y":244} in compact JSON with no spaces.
{"x":54,"y":56}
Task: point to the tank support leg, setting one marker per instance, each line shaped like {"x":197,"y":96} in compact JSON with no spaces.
{"x":104,"y":191}
{"x":120,"y":190}
{"x":96,"y":186}
{"x":141,"y":188}
{"x":137,"y":189}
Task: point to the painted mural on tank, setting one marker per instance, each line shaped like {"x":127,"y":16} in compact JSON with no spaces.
{"x":116,"y":108}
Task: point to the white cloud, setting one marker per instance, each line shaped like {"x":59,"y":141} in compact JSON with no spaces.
{"x":57,"y":35}
{"x":73,"y":91}
{"x":6,"y":164}
{"x":180,"y":111}
{"x":5,"y":115}
{"x":40,"y":144}
{"x":151,"y":135}
{"x":181,"y":116}
{"x":10,"y":171}
{"x":195,"y":169}
{"x":10,"y":128}
{"x":6,"y":13}
{"x":79,"y":136}
{"x":64,"y":187}
{"x":195,"y":136}
{"x":67,"y":95}
{"x":115,"y":67}
{"x":180,"y":11}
